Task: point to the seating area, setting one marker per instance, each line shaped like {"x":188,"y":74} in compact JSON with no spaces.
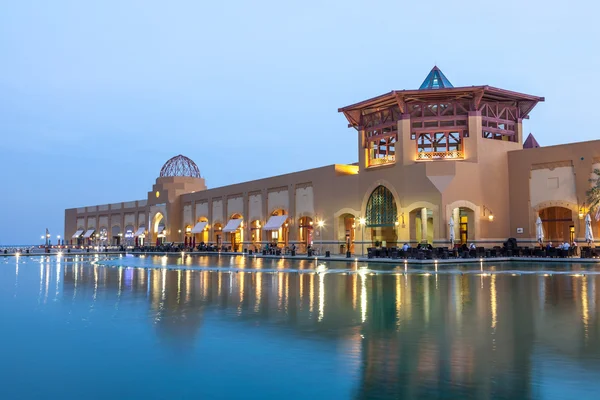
{"x":444,"y":253}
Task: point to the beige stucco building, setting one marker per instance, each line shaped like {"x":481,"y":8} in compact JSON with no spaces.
{"x":432,"y":163}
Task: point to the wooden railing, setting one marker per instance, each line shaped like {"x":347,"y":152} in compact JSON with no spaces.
{"x":382,"y":161}
{"x":441,"y":155}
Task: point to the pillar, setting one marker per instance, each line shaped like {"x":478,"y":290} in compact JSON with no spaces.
{"x":424,"y":224}
{"x":456,"y":218}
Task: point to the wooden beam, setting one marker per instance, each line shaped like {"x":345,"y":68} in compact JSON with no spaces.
{"x":401,"y":103}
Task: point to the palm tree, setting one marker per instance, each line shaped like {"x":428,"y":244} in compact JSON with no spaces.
{"x":593,"y":195}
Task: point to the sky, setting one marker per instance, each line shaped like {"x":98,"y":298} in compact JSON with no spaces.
{"x":95,"y":96}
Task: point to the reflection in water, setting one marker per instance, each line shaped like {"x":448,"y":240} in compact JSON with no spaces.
{"x":405,"y":335}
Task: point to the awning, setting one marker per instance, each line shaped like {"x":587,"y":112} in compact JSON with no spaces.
{"x":232,"y":225}
{"x":89,"y":233}
{"x":275,"y":222}
{"x":77,"y":234}
{"x":140,"y":231}
{"x":199,"y":227}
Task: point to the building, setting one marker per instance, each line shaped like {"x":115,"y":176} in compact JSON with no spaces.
{"x":431,"y":162}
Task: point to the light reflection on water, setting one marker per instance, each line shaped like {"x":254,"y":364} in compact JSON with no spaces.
{"x":336,"y":330}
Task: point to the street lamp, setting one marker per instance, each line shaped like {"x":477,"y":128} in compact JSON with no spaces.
{"x":180,"y":239}
{"x":320,"y":224}
{"x":58,"y":239}
{"x":361,"y":222}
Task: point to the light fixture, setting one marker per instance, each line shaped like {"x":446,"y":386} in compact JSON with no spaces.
{"x":490,"y":213}
{"x":320,"y":223}
{"x":581,"y":212}
{"x":362,"y":220}
{"x":396,"y":223}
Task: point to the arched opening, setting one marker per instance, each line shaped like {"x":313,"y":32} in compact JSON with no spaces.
{"x":255,"y":234}
{"x":159,"y":228}
{"x":80,"y":241}
{"x":558,"y":224}
{"x":464,"y":225}
{"x":218,"y":233}
{"x":279,"y":237}
{"x":347,"y":232}
{"x":421,"y":225}
{"x":234,"y":232}
{"x":128,"y":236}
{"x":103,"y":236}
{"x":188,"y":240}
{"x":202,"y":236}
{"x":115,"y":233}
{"x":305,"y":233}
{"x":381,"y":217}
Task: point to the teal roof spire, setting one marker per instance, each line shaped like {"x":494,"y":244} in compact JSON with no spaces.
{"x":436,"y":80}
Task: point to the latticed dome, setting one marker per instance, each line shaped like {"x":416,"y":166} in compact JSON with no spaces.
{"x":180,"y":166}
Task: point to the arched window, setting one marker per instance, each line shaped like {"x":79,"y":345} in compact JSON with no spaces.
{"x":381,"y":208}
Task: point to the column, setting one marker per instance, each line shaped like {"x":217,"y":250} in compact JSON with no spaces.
{"x":456,"y":218}
{"x":423,"y":224}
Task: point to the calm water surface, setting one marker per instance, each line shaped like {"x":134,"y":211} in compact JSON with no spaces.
{"x":132,"y":327}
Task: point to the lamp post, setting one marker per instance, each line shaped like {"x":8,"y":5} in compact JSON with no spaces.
{"x":320,"y":225}
{"x":180,"y":239}
{"x":361,"y":222}
{"x":58,"y":240}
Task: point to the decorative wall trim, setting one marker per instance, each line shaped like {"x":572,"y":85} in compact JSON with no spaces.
{"x":552,"y":165}
{"x":303,"y":185}
{"x":277,"y":189}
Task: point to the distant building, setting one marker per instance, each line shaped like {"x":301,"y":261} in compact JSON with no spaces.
{"x":425,"y":157}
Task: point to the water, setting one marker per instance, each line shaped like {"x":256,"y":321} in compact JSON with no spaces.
{"x":231,"y":327}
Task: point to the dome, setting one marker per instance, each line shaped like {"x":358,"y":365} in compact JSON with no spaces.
{"x":180,"y":166}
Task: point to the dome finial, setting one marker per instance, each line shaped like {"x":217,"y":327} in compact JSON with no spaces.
{"x":180,"y":165}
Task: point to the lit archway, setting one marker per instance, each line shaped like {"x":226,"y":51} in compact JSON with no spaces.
{"x":236,"y":238}
{"x":201,"y":237}
{"x":347,"y":231}
{"x":381,"y":217}
{"x":279,"y":237}
{"x":159,"y":228}
{"x":305,"y":233}
{"x":218,"y":232}
{"x":255,"y":233}
{"x":464,"y":224}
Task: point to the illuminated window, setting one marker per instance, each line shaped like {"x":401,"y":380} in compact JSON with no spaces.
{"x":157,"y":194}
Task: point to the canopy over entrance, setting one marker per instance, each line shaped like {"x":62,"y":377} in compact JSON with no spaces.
{"x":77,"y":234}
{"x":275,"y":222}
{"x":199,"y":227}
{"x":232,"y":225}
{"x":89,"y":233}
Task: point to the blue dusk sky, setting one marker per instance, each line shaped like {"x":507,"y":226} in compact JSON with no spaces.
{"x":96,"y":96}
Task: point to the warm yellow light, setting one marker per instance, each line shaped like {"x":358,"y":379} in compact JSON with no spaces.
{"x":320,"y":223}
{"x":157,"y":194}
{"x":491,"y":217}
{"x":362,"y":221}
{"x":180,"y":231}
{"x":396,"y":223}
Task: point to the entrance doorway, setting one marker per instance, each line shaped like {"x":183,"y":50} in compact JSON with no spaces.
{"x":557,"y":223}
{"x":305,"y":227}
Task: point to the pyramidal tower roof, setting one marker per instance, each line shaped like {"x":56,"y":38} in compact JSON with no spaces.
{"x":531,"y":143}
{"x":436,"y":80}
